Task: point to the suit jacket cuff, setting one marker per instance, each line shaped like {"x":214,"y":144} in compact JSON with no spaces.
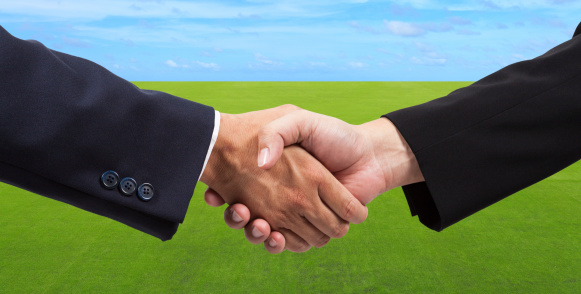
{"x":65,"y":121}
{"x":213,"y":140}
{"x":484,"y":142}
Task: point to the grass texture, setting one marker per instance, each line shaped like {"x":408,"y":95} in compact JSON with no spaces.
{"x":527,"y":243}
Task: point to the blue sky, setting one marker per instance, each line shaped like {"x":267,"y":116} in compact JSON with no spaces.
{"x":302,"y":40}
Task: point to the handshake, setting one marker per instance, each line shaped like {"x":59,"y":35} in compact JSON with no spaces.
{"x":295,"y":179}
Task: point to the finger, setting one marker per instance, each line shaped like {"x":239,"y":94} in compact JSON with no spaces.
{"x":313,"y":236}
{"x":290,"y":129}
{"x":275,"y":243}
{"x":236,"y":216}
{"x":341,"y":201}
{"x":328,"y":222}
{"x":294,"y":243}
{"x":325,"y":219}
{"x":213,"y":198}
{"x":257,"y":231}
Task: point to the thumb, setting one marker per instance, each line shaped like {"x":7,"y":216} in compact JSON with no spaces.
{"x":292,"y":128}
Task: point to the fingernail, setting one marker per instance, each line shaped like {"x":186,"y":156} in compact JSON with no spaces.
{"x":263,"y":157}
{"x":236,"y":217}
{"x":272,"y":243}
{"x":256,"y":233}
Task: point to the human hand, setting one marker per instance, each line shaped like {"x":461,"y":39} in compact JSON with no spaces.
{"x":299,"y":197}
{"x":367,"y":159}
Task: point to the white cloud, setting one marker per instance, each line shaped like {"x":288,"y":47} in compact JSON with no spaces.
{"x":428,"y":61}
{"x":484,"y":5}
{"x":87,"y":10}
{"x":159,"y":34}
{"x":512,"y":4}
{"x":210,"y":65}
{"x":424,"y":47}
{"x":264,"y":63}
{"x":519,"y":3}
{"x":262,"y":59}
{"x":357,"y":65}
{"x":420,"y":4}
{"x":171,"y":63}
{"x":401,"y":28}
{"x":174,"y":64}
{"x":92,"y":10}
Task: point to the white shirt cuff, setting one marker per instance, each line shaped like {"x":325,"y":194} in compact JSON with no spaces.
{"x":213,"y":141}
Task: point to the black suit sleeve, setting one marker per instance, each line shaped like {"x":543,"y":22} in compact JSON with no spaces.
{"x":489,"y":140}
{"x":64,"y":121}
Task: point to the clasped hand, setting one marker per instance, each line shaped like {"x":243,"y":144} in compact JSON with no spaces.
{"x":292,"y":199}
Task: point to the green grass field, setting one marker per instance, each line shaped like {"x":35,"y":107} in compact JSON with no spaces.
{"x":527,"y":243}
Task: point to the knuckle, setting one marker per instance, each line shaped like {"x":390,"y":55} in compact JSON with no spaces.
{"x":303,"y":113}
{"x":301,"y":246}
{"x":298,"y":200}
{"x":315,"y":172}
{"x":290,"y":107}
{"x":322,"y":241}
{"x":340,"y":230}
{"x":265,"y":132}
{"x":349,"y":210}
{"x":279,"y":220}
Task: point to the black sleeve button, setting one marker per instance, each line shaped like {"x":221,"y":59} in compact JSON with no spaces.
{"x":110,"y":179}
{"x":127,"y":186}
{"x":145,"y":192}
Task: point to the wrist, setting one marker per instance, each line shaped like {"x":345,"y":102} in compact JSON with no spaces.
{"x":224,"y":144}
{"x":397,"y":160}
{"x":236,"y":143}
